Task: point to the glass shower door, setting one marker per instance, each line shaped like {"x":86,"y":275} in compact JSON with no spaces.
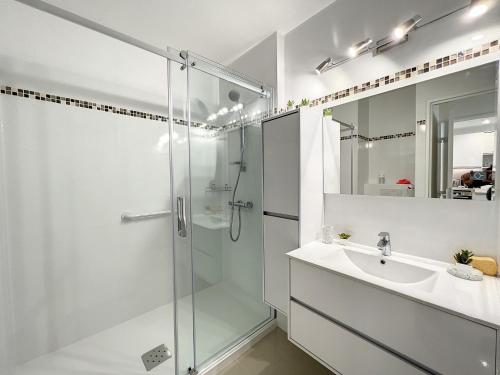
{"x":180,"y":206}
{"x":226,"y":212}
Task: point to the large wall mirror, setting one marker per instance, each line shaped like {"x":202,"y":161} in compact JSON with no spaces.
{"x":434,"y":139}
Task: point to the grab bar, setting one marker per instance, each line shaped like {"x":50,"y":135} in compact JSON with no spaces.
{"x":127,"y":217}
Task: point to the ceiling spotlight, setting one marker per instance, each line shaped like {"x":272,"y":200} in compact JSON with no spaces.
{"x":478,"y":8}
{"x":359,"y":47}
{"x":407,"y":26}
{"x":323,"y":66}
{"x":486,"y":121}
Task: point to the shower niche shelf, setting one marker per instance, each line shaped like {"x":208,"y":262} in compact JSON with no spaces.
{"x":215,"y":189}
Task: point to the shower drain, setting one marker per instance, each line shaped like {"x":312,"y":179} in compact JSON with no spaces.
{"x":155,"y":357}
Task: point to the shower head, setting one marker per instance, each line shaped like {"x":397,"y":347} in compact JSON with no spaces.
{"x":234,"y":96}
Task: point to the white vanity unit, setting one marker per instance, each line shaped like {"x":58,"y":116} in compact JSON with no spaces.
{"x":360,"y":313}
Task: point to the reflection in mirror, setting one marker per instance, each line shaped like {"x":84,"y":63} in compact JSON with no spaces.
{"x":435,"y":139}
{"x":464,"y":144}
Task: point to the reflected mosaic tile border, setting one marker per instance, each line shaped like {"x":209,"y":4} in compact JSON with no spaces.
{"x":393,"y":136}
{"x":379,"y":138}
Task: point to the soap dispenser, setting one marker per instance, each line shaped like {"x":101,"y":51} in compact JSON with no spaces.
{"x":381,"y":179}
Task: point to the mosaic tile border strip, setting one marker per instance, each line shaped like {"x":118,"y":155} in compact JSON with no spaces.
{"x":424,"y":68}
{"x":354,"y":136}
{"x":80,"y":103}
{"x":380,"y":138}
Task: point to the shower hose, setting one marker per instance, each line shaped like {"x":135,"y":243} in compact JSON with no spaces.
{"x":242,"y":154}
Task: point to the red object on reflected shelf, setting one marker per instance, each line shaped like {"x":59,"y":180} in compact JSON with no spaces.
{"x":404,"y":181}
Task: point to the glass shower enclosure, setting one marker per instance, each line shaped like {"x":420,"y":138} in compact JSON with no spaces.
{"x":216,"y":168}
{"x":130,"y":230}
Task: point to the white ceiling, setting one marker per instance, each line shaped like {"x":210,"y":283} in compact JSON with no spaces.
{"x":218,"y":29}
{"x":351,"y":21}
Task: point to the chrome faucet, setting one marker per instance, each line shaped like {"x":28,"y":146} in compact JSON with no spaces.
{"x":384,"y":244}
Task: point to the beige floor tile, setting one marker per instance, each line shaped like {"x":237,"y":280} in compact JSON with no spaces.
{"x":274,"y":354}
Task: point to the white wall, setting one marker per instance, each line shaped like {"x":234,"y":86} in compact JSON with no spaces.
{"x":265,"y":62}
{"x":75,"y":267}
{"x":433,"y":228}
{"x":468,"y":149}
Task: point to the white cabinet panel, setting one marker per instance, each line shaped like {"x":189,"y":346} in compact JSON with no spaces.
{"x":281,"y":149}
{"x":280,"y":237}
{"x":340,"y":349}
{"x":443,"y":342}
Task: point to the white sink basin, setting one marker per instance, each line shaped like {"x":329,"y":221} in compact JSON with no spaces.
{"x":388,"y":268}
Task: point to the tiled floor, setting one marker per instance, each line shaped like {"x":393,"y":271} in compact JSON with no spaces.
{"x":274,"y":355}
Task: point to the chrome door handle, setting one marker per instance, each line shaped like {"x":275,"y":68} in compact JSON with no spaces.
{"x":181,"y":217}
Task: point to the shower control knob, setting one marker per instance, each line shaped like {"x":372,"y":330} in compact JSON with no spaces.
{"x":241,"y":204}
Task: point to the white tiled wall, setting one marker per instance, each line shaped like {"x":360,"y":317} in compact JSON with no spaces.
{"x":433,"y":228}
{"x":69,"y":175}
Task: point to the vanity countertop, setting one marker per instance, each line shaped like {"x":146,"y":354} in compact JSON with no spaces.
{"x":475,"y":300}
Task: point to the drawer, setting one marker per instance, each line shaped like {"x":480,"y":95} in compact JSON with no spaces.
{"x":440,"y":341}
{"x":342,"y":350}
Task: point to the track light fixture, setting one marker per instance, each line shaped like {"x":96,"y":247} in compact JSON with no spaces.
{"x":407,"y":26}
{"x":359,"y":47}
{"x":400,"y":34}
{"x":478,"y":8}
{"x":325,"y":64}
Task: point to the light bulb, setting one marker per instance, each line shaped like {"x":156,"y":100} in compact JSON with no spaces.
{"x":399,"y":33}
{"x":478,"y":9}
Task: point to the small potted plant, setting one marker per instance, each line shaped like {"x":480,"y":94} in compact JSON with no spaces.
{"x":290,"y":104}
{"x":344,"y":237}
{"x":463,"y":259}
{"x":304,"y":103}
